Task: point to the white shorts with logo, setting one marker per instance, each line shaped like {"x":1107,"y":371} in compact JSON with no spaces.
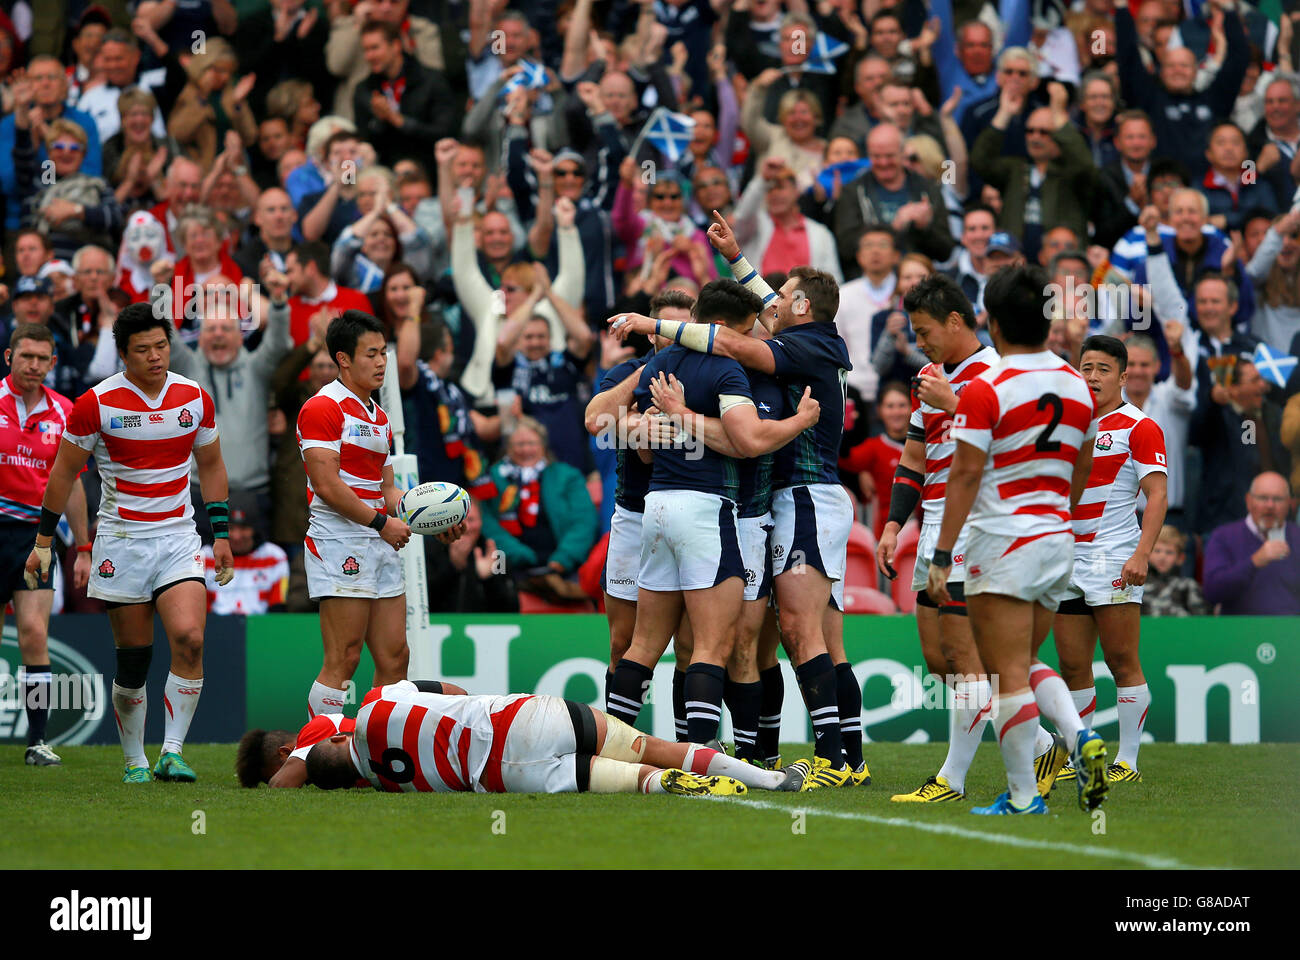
{"x":689,"y":541}
{"x":925,"y":550}
{"x":756,"y":556}
{"x":364,"y":567}
{"x":623,"y":558}
{"x":540,"y":754}
{"x":1038,"y":571}
{"x":811,"y":525}
{"x":136,"y":569}
{"x":1096,"y":578}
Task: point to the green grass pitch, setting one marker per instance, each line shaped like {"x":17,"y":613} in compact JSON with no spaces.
{"x":1200,"y":806}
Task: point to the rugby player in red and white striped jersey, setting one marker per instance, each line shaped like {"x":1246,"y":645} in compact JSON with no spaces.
{"x":408,"y":740}
{"x":944,"y":322}
{"x":143,"y":425}
{"x":352,"y":563}
{"x":1111,"y":550}
{"x":32,"y":419}
{"x":1023,"y":430}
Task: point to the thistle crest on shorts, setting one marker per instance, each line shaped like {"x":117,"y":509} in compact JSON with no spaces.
{"x":351,"y":567}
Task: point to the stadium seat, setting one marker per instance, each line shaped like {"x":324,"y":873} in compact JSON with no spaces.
{"x":860,"y":565}
{"x":532,"y":603}
{"x":859,"y":599}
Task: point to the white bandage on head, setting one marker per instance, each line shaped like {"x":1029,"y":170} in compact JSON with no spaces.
{"x":728,"y":400}
{"x":614,"y":776}
{"x":622,"y":742}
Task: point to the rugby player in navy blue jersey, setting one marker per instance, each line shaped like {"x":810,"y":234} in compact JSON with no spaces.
{"x":812,"y":514}
{"x":611,"y":415}
{"x":690,"y":546}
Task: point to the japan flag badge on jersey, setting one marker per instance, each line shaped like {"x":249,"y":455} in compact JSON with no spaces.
{"x":1160,"y":459}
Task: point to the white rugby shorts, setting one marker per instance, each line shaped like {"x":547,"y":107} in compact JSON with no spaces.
{"x":925,"y":550}
{"x":1038,"y":570}
{"x":540,"y":754}
{"x":811,"y":525}
{"x":1096,"y":578}
{"x":689,"y":541}
{"x":754,"y":552}
{"x":136,"y":569}
{"x":623,"y":558}
{"x":364,"y":567}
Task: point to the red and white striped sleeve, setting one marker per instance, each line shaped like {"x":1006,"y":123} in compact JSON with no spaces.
{"x":83,"y":422}
{"x":977,"y":414}
{"x":1146,"y":442}
{"x":320,"y":424}
{"x":207,"y":432}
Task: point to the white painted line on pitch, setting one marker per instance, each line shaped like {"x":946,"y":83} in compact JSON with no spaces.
{"x":1145,"y":860}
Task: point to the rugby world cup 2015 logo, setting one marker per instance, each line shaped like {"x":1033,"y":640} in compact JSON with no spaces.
{"x":1105,"y":442}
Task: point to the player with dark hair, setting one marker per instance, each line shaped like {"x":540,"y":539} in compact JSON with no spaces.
{"x":608,"y":416}
{"x":1023,"y":431}
{"x":142,"y":425}
{"x":408,"y":740}
{"x":690,"y":547}
{"x":1111,"y":550}
{"x":32,"y":419}
{"x":279,"y":758}
{"x":811,"y":513}
{"x":353,"y":567}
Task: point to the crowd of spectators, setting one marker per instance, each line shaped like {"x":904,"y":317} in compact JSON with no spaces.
{"x":476,"y":174}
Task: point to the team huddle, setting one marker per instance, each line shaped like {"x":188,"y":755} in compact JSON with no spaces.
{"x":728,"y":541}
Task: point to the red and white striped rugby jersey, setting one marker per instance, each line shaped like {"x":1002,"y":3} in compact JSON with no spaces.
{"x":406,"y":740}
{"x":29,"y":440}
{"x":336,"y":419}
{"x":261,"y":580}
{"x":1129,"y":445}
{"x":143,"y":448}
{"x":1030,"y":413}
{"x":318,"y":728}
{"x":933,"y":427}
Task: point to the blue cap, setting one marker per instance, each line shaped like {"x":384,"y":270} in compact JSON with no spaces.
{"x":30,"y":285}
{"x":1003,"y":242}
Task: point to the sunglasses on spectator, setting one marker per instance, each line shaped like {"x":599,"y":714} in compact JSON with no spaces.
{"x":71,"y":146}
{"x":1041,"y":131}
{"x":573,"y":172}
{"x":1015,"y":73}
{"x":715,"y":182}
{"x":666,"y":196}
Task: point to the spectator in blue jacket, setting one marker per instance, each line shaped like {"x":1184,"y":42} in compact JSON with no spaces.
{"x":1229,"y":185}
{"x":967,"y":61}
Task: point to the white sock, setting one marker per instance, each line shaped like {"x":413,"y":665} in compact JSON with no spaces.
{"x":1016,"y":721}
{"x":1054,"y":701}
{"x":1133,"y":705}
{"x":129,"y":708}
{"x":180,"y":697}
{"x":323,"y":699}
{"x":1085,"y":701}
{"x":1042,"y":741}
{"x":967,"y":717}
{"x":721,"y":765}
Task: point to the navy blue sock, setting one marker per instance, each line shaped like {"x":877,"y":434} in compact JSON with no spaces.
{"x":627,"y":690}
{"x":609,"y":685}
{"x":744,"y":700}
{"x":36,"y":698}
{"x":817,"y":684}
{"x":849,"y":696}
{"x":769,"y":715}
{"x":679,"y":706}
{"x":704,"y":682}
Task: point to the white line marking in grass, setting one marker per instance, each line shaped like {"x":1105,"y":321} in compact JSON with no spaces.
{"x":1028,"y":843}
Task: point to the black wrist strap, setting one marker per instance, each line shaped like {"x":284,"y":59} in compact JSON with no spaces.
{"x":905,"y":494}
{"x":942,"y":558}
{"x":377,"y":521}
{"x":49,"y":522}
{"x":219,"y":517}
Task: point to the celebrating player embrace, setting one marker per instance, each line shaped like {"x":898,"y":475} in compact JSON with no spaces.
{"x":143,"y":425}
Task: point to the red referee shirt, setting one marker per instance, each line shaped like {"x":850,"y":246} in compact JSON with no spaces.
{"x":29,"y":439}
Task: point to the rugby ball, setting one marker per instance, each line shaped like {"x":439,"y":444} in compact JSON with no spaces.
{"x":431,"y":508}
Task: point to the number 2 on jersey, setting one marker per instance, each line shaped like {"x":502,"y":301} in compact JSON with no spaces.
{"x":1043,"y":444}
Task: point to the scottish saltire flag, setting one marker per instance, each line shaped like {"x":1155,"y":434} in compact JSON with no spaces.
{"x":532,"y":76}
{"x":1273,"y":366}
{"x":826,"y":49}
{"x":848,"y":171}
{"x":669,"y":132}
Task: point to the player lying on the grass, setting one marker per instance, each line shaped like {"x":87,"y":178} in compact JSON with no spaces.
{"x":407,"y":740}
{"x":1111,"y":550}
{"x":279,"y":758}
{"x":1023,"y":431}
{"x":944,"y":322}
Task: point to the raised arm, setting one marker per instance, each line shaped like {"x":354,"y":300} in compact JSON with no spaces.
{"x":710,"y":338}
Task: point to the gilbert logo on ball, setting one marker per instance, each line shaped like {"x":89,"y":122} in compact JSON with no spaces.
{"x":432,"y":508}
